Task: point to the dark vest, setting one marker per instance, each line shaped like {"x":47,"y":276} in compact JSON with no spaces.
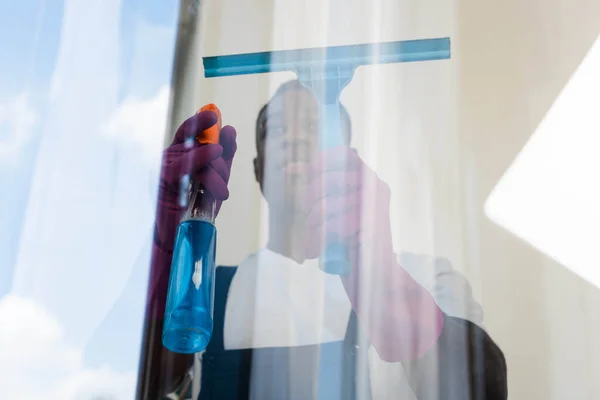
{"x":324,"y":372}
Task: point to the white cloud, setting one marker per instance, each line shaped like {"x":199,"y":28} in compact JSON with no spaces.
{"x":116,"y":175}
{"x":37,"y":363}
{"x":17,"y":120}
{"x":141,"y":122}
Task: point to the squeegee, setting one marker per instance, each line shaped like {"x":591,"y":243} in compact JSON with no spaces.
{"x":326,"y":71}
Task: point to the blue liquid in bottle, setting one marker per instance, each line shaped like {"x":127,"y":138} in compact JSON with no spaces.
{"x":188,"y":314}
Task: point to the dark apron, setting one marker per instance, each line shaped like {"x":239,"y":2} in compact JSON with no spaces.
{"x":326,"y":371}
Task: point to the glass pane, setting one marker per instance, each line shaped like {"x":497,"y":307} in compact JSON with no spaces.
{"x":426,"y":236}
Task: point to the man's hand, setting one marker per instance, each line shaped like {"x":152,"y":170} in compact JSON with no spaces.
{"x":186,"y":159}
{"x":346,"y":201}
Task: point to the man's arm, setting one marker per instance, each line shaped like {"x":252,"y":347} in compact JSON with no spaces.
{"x":405,"y":320}
{"x":465,"y":363}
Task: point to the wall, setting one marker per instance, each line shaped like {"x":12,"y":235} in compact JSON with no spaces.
{"x":515,"y":58}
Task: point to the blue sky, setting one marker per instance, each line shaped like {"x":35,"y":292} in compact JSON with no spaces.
{"x":81,"y":82}
{"x":30,"y":32}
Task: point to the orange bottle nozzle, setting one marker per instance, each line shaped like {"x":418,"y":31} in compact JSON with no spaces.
{"x":211,"y":135}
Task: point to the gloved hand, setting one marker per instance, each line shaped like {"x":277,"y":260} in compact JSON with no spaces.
{"x":209,"y":165}
{"x":355,"y":203}
{"x":401,"y":317}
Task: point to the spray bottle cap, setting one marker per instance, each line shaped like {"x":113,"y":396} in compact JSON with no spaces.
{"x":211,"y":135}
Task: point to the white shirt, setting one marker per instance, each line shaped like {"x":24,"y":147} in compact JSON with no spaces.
{"x":275,"y":302}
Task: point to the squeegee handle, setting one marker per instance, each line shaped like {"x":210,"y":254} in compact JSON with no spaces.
{"x":331,"y":127}
{"x":335,"y":260}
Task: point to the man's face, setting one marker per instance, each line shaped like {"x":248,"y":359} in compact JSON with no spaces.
{"x":289,"y":143}
{"x":291,"y":140}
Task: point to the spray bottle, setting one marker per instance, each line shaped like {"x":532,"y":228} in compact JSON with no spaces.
{"x":188,"y":322}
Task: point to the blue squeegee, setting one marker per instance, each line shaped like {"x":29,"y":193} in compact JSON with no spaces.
{"x":326,"y":71}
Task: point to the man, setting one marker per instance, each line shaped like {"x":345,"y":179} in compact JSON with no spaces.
{"x":283,"y":328}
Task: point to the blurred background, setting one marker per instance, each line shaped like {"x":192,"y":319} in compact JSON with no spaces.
{"x":490,"y":156}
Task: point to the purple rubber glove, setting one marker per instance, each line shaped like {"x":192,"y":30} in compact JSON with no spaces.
{"x":401,"y":317}
{"x":209,"y":165}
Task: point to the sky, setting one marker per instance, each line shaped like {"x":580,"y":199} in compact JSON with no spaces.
{"x":84,"y":91}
